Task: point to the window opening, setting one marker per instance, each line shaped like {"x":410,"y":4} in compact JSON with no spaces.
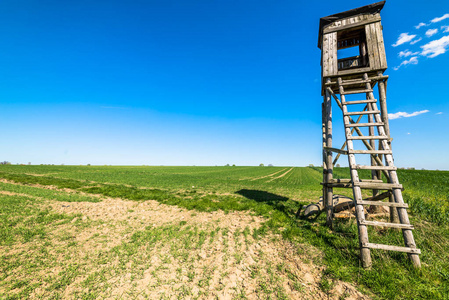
{"x":351,"y":49}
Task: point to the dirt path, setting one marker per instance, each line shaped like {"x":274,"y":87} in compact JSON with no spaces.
{"x":146,"y":250}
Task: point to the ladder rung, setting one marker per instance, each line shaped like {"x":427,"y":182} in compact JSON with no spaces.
{"x":391,"y":248}
{"x":364,"y":124}
{"x":341,"y":180}
{"x":370,"y":152}
{"x":385,"y":224}
{"x":349,"y":180}
{"x":367,"y":112}
{"x":365,"y":185}
{"x":356,"y":92}
{"x":387,"y":168}
{"x":359,"y":102}
{"x":354,"y":81}
{"x":358,"y":81}
{"x":368,"y":137}
{"x":378,"y":185}
{"x":338,"y":184}
{"x":381,"y":203}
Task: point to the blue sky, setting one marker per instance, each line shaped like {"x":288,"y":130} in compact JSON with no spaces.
{"x":203,"y":82}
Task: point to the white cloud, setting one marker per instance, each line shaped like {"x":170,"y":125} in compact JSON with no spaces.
{"x":408,"y":132}
{"x":412,"y":61}
{"x":407,"y":53}
{"x":404,"y":38}
{"x":402,"y":114}
{"x":415,"y":41}
{"x":444,"y":17}
{"x":436,"y":47}
{"x":445,"y":28}
{"x":431,"y":32}
{"x":420,"y":25}
{"x":439,"y":113}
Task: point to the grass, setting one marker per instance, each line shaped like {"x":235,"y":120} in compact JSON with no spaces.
{"x":252,"y":189}
{"x":24,"y":221}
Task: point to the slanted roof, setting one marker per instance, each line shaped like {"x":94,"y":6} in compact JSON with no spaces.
{"x":368,"y":9}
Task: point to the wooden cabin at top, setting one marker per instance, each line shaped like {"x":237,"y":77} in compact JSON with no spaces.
{"x":358,"y":29}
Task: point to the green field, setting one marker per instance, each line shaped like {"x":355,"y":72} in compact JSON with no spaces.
{"x":36,"y":237}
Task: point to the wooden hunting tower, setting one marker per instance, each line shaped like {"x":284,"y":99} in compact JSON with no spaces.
{"x":343,"y":78}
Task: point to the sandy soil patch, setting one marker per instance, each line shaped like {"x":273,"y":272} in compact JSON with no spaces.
{"x":146,"y":250}
{"x":229,"y":265}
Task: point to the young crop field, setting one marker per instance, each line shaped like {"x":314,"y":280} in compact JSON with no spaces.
{"x":95,"y":232}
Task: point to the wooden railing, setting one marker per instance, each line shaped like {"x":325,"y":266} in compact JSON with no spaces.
{"x":349,"y":62}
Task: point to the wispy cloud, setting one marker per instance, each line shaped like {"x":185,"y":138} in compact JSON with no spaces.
{"x":407,"y":53}
{"x":415,"y":41}
{"x":402,"y":114}
{"x":431,"y":32}
{"x":438,"y":44}
{"x":404,"y":38}
{"x":412,"y":61}
{"x":444,"y":17}
{"x":436,"y":47}
{"x":420,"y":25}
{"x":439,"y":113}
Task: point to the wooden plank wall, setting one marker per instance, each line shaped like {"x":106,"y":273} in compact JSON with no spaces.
{"x":359,"y":20}
{"x":381,"y":46}
{"x":329,"y":54}
{"x":374,"y":40}
{"x":376,"y":47}
{"x":371,"y":42}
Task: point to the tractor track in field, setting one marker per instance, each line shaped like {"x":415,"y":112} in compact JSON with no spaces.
{"x":280,"y":176}
{"x":266,"y":176}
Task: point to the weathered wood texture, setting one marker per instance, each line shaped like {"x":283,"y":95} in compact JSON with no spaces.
{"x":328,"y":200}
{"x":402,"y":212}
{"x":359,"y":74}
{"x":376,"y":48}
{"x":329,"y":58}
{"x":364,"y":31}
{"x":365,"y":254}
{"x":352,"y":22}
{"x":392,"y":248}
{"x":394,"y":218}
{"x":375,"y":174}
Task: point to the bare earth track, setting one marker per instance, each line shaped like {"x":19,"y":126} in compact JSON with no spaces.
{"x":118,"y":248}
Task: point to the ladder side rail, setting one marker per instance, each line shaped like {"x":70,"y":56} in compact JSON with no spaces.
{"x":375,"y":174}
{"x":382,"y":88}
{"x":323,"y":126}
{"x":329,"y":199}
{"x":397,"y":193}
{"x":365,"y":253}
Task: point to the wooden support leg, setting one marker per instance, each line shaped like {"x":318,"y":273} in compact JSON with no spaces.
{"x":365,"y":253}
{"x":323,"y":126}
{"x":394,"y":218}
{"x":329,"y":203}
{"x":406,"y":233}
{"x":374,"y":173}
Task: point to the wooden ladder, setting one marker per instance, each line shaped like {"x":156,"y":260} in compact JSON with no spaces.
{"x":392,"y":186}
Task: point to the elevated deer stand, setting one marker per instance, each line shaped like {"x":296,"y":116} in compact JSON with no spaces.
{"x":360,"y":30}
